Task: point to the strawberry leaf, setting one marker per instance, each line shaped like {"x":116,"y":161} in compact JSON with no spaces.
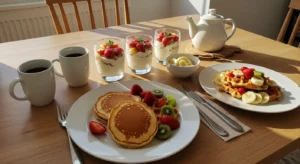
{"x":109,"y":43}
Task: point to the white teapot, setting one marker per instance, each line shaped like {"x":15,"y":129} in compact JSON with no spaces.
{"x":209,"y":34}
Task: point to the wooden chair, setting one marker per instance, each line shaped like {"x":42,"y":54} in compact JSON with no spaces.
{"x":58,"y":27}
{"x":294,"y":5}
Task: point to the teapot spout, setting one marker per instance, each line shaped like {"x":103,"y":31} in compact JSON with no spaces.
{"x":192,"y":26}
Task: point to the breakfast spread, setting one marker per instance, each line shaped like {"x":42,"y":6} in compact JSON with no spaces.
{"x":139,"y":53}
{"x":181,"y":61}
{"x":134,"y":119}
{"x":165,"y":44}
{"x":110,"y":59}
{"x":248,"y":84}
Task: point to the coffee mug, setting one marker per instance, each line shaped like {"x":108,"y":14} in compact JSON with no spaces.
{"x":74,"y":63}
{"x":37,"y":80}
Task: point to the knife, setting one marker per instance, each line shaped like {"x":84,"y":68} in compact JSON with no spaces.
{"x":215,"y":127}
{"x":234,"y":125}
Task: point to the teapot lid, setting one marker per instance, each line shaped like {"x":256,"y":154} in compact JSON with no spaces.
{"x":212,"y":15}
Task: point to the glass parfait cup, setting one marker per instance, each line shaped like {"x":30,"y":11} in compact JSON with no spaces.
{"x":139,"y":53}
{"x":166,"y":42}
{"x":110,"y":59}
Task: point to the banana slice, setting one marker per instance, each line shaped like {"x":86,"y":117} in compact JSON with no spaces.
{"x":258,"y":99}
{"x":249,"y":97}
{"x":238,"y":73}
{"x":265,"y":97}
{"x":259,"y":81}
{"x":183,"y":63}
{"x":173,"y":61}
{"x":272,"y":83}
{"x":187,"y":60}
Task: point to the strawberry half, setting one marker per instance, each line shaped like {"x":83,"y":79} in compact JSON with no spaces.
{"x":171,"y":121}
{"x":149,"y":98}
{"x":96,"y":128}
{"x":136,"y":89}
{"x":161,"y":102}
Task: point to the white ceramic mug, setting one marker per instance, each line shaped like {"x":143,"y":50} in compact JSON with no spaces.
{"x":37,"y":80}
{"x":74,"y":69}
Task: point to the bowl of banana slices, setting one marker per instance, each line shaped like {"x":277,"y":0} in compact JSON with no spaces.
{"x":182,"y":65}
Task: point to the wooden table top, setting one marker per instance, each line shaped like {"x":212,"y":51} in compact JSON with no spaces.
{"x":31,"y":134}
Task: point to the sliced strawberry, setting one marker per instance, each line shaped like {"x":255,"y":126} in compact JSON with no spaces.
{"x":96,"y":128}
{"x":132,"y":45}
{"x":148,"y":46}
{"x":136,"y":89}
{"x":100,"y":51}
{"x":109,"y":53}
{"x":242,"y":90}
{"x":140,"y":47}
{"x":149,"y":98}
{"x":115,"y":45}
{"x":160,"y":37}
{"x":161,"y":102}
{"x":248,"y":73}
{"x":171,"y":121}
{"x":166,"y":41}
{"x":230,"y":74}
{"x":146,"y":41}
{"x":243,"y":68}
{"x":118,"y":50}
{"x":142,"y":94}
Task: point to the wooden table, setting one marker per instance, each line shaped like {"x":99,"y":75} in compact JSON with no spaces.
{"x":31,"y":134}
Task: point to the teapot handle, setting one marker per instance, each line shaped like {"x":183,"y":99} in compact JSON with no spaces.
{"x":229,"y":20}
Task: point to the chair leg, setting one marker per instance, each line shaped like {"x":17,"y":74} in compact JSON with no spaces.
{"x":285,"y":25}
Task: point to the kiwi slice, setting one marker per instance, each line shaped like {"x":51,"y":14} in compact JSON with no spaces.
{"x":258,"y":74}
{"x":167,"y":110}
{"x":158,"y":93}
{"x":163,"y":132}
{"x":171,"y":100}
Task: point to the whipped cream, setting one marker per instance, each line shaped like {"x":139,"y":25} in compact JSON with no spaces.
{"x":162,"y":52}
{"x":140,"y":60}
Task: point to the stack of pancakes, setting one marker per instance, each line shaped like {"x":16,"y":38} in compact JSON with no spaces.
{"x":231,"y":84}
{"x":131,"y":123}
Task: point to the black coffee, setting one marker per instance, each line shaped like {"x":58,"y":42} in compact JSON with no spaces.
{"x":36,"y":69}
{"x":74,"y":55}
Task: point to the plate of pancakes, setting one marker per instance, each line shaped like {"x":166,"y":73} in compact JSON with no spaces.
{"x":250,"y":87}
{"x":132,"y":126}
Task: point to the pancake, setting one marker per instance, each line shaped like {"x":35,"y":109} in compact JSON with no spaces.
{"x":132,"y":124}
{"x":107,"y":102}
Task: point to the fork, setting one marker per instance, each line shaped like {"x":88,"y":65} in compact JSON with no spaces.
{"x":62,"y":113}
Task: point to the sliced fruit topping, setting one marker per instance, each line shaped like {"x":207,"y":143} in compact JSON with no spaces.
{"x":142,"y":94}
{"x":172,"y":122}
{"x":158,"y":93}
{"x":248,"y":73}
{"x":230,"y":74}
{"x":96,"y":128}
{"x":242,"y":90}
{"x":167,"y":110}
{"x":243,"y":68}
{"x":109,"y":53}
{"x":258,"y":99}
{"x":163,"y":132}
{"x":171,"y":100}
{"x":238,"y":73}
{"x":257,"y":80}
{"x":265,"y":97}
{"x":258,"y":74}
{"x":110,"y":50}
{"x":272,"y":83}
{"x":249,"y":97}
{"x":139,"y":45}
{"x":161,"y":102}
{"x":100,"y":51}
{"x":167,"y":38}
{"x":136,"y":89}
{"x":149,"y":98}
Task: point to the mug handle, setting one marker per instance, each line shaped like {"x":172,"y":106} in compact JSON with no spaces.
{"x":12,"y":88}
{"x":229,"y":20}
{"x":57,"y":73}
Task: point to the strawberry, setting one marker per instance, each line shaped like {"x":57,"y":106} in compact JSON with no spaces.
{"x":146,"y":41}
{"x":171,"y":121}
{"x":118,"y":50}
{"x":166,"y":41}
{"x":243,"y":68}
{"x":115,"y":45}
{"x":248,"y":73}
{"x":132,"y":44}
{"x":109,"y":53}
{"x":161,"y":102}
{"x":100,"y":51}
{"x":230,"y":74}
{"x":149,"y":98}
{"x":148,"y":46}
{"x":241,"y":90}
{"x":140,"y":47}
{"x":136,"y":89}
{"x":142,"y":94}
{"x":96,"y":128}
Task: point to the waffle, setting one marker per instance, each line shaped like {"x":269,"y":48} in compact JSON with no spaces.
{"x":241,"y":81}
{"x":228,"y":88}
{"x":274,"y":93}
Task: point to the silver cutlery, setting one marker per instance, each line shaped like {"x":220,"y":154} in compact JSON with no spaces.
{"x":234,"y":125}
{"x":62,"y":113}
{"x":217,"y":128}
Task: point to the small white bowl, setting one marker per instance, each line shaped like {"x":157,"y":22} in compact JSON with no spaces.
{"x":183,"y":72}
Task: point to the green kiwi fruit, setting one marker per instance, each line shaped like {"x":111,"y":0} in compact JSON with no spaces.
{"x":167,"y":110}
{"x":258,"y":74}
{"x":163,"y":132}
{"x":171,"y":100}
{"x":158,"y":93}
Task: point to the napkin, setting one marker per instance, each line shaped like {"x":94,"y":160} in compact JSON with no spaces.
{"x":232,"y":133}
{"x":221,"y":55}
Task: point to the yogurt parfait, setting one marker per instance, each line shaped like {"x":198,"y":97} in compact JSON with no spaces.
{"x":139,"y":53}
{"x":166,"y":43}
{"x":109,"y":57}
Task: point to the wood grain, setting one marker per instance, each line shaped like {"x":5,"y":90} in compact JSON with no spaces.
{"x":294,"y":32}
{"x":285,"y":25}
{"x":126,"y":12}
{"x":117,"y":12}
{"x":31,"y":134}
{"x":104,"y":13}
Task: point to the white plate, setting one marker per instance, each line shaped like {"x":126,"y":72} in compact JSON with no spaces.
{"x":104,"y":147}
{"x":290,"y":91}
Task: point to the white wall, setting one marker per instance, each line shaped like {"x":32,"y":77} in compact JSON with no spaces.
{"x":185,"y":7}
